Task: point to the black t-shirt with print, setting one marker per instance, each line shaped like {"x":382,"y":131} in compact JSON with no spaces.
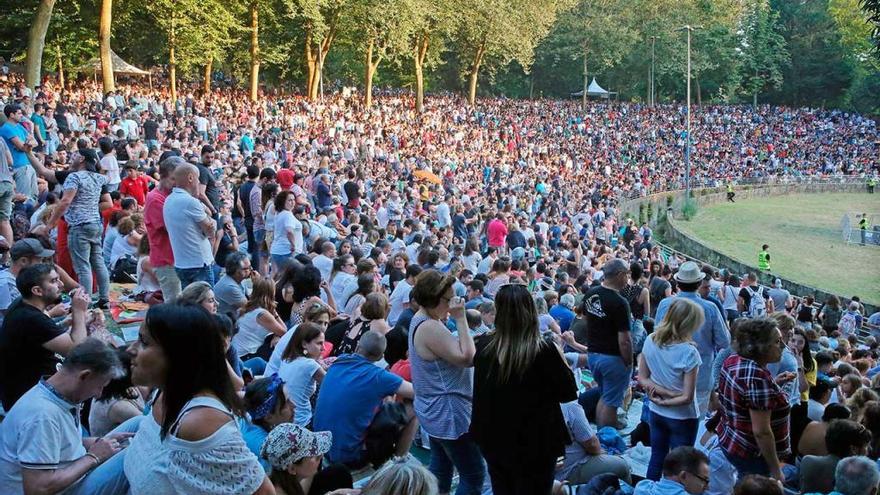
{"x":607,"y":315}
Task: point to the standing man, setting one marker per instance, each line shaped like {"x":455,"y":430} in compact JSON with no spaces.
{"x":20,"y":144}
{"x":209,"y":193}
{"x":730,"y":193}
{"x":84,"y":193}
{"x":244,"y":206}
{"x":609,"y":340}
{"x":161,"y":254}
{"x":30,"y":341}
{"x":764,"y":258}
{"x":190,"y":229}
{"x":710,"y":338}
{"x":255,"y":199}
{"x":863,"y":228}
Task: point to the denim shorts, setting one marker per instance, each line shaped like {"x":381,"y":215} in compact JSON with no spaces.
{"x":7,"y":190}
{"x":612,"y":376}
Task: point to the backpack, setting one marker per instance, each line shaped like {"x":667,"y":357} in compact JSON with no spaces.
{"x":125,"y":270}
{"x":847,"y":324}
{"x":757,"y":304}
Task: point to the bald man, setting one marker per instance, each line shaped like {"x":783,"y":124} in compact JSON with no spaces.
{"x":190,"y":229}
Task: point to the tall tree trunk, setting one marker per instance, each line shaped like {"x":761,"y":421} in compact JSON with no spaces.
{"x":172,"y":66}
{"x":368,"y":78}
{"x":60,"y":66}
{"x":755,"y":93}
{"x":37,"y":42}
{"x":421,"y":52}
{"x":586,"y":81}
{"x":474,"y":74}
{"x":699,"y":92}
{"x":104,"y":31}
{"x":255,"y":50}
{"x":206,"y":84}
{"x":311,"y":63}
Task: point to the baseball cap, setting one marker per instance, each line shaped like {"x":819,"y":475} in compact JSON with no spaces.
{"x":29,"y":247}
{"x":287,"y":443}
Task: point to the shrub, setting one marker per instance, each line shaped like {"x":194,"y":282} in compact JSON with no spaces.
{"x":689,"y":210}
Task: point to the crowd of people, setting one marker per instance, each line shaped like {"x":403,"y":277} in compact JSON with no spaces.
{"x":333,"y":287}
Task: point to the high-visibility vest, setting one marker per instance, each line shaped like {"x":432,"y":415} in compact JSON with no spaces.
{"x":764,"y":260}
{"x":729,"y":188}
{"x":863,"y":224}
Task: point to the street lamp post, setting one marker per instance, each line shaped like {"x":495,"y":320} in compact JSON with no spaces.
{"x":687,"y":151}
{"x":653,"y":40}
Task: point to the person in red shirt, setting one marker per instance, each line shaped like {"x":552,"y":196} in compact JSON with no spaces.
{"x":497,"y":232}
{"x":161,"y":256}
{"x":135,"y":184}
{"x":285,"y":177}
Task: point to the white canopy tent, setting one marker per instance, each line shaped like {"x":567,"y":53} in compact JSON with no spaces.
{"x":594,"y":90}
{"x":119,"y":67}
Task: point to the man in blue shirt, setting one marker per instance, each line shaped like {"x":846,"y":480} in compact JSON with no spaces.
{"x":351,"y":394}
{"x":685,"y":472}
{"x":20,"y":143}
{"x":709,"y":338}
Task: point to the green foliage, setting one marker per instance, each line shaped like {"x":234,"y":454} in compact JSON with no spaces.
{"x":805,"y":52}
{"x":689,"y":209}
{"x":763,"y":49}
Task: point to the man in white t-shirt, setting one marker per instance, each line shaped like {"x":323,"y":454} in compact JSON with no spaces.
{"x":189,"y":227}
{"x":399,"y":299}
{"x":324,"y":261}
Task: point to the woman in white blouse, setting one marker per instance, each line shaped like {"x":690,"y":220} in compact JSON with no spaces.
{"x":189,"y":443}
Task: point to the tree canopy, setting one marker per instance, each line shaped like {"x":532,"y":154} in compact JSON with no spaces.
{"x":809,"y":52}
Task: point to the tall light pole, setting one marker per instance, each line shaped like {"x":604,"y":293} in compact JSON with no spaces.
{"x":651,"y":97}
{"x":687,"y":151}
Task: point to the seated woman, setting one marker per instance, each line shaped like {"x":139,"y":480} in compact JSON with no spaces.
{"x":316,"y":313}
{"x":147,"y":282}
{"x":189,"y":443}
{"x":584,"y":457}
{"x":812,"y":440}
{"x":366,"y":284}
{"x":258,"y":321}
{"x":295,"y":455}
{"x":267,"y":406}
{"x":119,"y":401}
{"x":401,"y":475}
{"x":301,"y":371}
{"x":131,"y":229}
{"x":374,"y":314}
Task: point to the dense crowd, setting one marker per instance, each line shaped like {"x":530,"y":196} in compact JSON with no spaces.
{"x":333,"y":287}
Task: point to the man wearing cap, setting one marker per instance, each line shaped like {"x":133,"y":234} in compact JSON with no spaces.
{"x":24,"y":253}
{"x":608,"y":337}
{"x":709,"y":338}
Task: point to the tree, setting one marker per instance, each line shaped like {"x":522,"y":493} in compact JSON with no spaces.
{"x":763,"y":50}
{"x":601,"y":31}
{"x":819,"y":72}
{"x":254,"y":10}
{"x":496,"y":32}
{"x":432,"y":23}
{"x":872,"y":10}
{"x":104,"y":31}
{"x":383,"y":29}
{"x":37,"y":42}
{"x":320,"y":20}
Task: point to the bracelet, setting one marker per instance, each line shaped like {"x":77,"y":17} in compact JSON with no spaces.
{"x":93,"y":456}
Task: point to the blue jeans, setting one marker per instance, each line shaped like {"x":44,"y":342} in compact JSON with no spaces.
{"x":86,"y":254}
{"x":256,"y":249}
{"x":257,"y":365}
{"x":667,"y":434}
{"x":612,"y":376}
{"x":190,"y":275}
{"x":108,"y":478}
{"x":461,"y":454}
{"x":745,"y":466}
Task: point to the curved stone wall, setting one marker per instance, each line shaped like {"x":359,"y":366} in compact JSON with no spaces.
{"x":664,"y":218}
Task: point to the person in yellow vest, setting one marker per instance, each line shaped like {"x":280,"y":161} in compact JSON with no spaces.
{"x":863,"y":227}
{"x":872,"y":183}
{"x":730,"y":193}
{"x":764,"y":258}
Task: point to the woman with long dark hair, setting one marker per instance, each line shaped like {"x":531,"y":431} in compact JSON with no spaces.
{"x":189,"y":443}
{"x":520,"y":380}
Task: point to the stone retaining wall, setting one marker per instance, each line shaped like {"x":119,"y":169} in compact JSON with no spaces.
{"x":663,"y":220}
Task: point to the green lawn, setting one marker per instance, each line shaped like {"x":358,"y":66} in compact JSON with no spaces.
{"x":804,"y":235}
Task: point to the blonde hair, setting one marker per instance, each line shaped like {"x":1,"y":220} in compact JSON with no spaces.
{"x":402,"y":475}
{"x":681,"y":320}
{"x":516,"y":340}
